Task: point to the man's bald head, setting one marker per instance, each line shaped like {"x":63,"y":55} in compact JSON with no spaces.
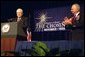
{"x":75,"y":8}
{"x":19,"y":12}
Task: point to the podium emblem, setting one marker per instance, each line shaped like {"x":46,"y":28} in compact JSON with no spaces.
{"x":5,"y":28}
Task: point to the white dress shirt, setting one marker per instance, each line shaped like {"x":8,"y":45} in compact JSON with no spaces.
{"x":18,"y":19}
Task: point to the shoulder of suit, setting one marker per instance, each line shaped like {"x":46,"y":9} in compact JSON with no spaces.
{"x":25,"y":17}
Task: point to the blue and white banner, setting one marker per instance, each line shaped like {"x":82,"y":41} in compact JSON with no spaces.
{"x":49,"y":19}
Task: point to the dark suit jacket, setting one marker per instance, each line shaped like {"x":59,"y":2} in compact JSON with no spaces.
{"x":78,"y":23}
{"x":77,"y":32}
{"x":22,"y":27}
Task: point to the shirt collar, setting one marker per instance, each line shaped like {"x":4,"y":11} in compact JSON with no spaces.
{"x":77,"y":14}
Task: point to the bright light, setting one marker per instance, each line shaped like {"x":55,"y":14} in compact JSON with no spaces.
{"x":43,"y":17}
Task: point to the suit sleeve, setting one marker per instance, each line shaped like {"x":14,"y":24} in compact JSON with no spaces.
{"x":27,"y":24}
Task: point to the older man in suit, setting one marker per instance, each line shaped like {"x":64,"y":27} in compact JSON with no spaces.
{"x":75,"y":22}
{"x":23,"y":24}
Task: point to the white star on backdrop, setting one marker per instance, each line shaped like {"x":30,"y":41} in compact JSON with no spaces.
{"x":43,"y":17}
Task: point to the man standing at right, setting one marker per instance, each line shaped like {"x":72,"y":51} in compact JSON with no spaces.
{"x":75,"y":22}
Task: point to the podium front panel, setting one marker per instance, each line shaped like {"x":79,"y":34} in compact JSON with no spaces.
{"x":8,"y":30}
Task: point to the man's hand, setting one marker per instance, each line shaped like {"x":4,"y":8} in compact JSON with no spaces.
{"x":67,"y":21}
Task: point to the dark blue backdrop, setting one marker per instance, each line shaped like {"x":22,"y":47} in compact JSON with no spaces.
{"x":8,"y":10}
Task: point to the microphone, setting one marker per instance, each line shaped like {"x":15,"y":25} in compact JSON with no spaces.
{"x":10,"y":20}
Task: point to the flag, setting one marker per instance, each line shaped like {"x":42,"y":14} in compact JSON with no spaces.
{"x":29,"y":36}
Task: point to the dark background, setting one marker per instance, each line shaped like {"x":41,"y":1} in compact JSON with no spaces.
{"x":8,"y":10}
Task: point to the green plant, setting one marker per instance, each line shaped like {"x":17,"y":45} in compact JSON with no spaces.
{"x":42,"y":45}
{"x":40,"y":48}
{"x":39,"y":51}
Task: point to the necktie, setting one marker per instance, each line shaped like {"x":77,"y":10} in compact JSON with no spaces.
{"x":18,"y":19}
{"x":74,"y":19}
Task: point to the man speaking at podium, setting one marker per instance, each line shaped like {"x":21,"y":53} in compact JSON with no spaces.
{"x":22,"y":24}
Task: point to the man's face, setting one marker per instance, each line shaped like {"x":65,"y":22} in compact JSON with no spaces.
{"x":19,"y":14}
{"x":74,"y":9}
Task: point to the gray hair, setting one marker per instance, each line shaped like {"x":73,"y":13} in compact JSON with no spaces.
{"x":19,"y":10}
{"x":77,"y":5}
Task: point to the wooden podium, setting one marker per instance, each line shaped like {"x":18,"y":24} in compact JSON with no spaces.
{"x":9,"y":33}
